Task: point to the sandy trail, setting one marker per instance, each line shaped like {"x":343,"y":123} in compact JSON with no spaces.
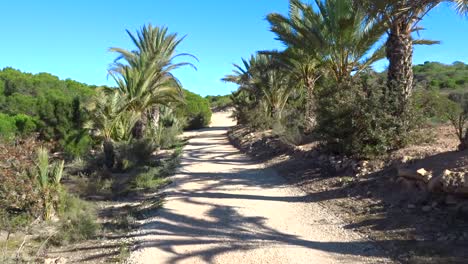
{"x":225,"y":208}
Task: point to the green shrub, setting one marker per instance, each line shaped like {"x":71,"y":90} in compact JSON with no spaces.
{"x":457,"y":113}
{"x":135,"y":152}
{"x":7,"y":127}
{"x":166,"y":134}
{"x":14,"y":221}
{"x":41,"y":103}
{"x":149,"y":178}
{"x":78,"y":221}
{"x":354,"y":120}
{"x":25,"y":124}
{"x":47,"y":176}
{"x":433,"y":105}
{"x":196,"y":111}
{"x":77,"y":144}
{"x":219,"y":102}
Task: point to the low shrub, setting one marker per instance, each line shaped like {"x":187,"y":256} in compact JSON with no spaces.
{"x":7,"y":127}
{"x":19,"y":193}
{"x":77,"y":144}
{"x":196,"y":111}
{"x":78,"y":221}
{"x":133,"y":153}
{"x":149,"y":178}
{"x":166,"y":135}
{"x":219,"y":102}
{"x":457,"y":113}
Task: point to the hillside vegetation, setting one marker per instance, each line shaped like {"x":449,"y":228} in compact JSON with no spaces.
{"x":64,"y":143}
{"x":219,"y":102}
{"x":44,"y":104}
{"x":439,"y":76}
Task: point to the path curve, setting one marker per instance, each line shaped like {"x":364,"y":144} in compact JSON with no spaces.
{"x":224,"y":208}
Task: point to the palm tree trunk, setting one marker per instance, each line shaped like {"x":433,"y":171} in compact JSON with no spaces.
{"x":154,"y":116}
{"x":311,"y":116}
{"x":138,"y":131}
{"x":400,"y":70}
{"x":109,"y":153}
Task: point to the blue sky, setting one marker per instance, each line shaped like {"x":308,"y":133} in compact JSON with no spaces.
{"x":70,"y":39}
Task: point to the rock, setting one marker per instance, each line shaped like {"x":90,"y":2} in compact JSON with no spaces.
{"x":59,"y":260}
{"x":455,"y":182}
{"x":434,"y":204}
{"x":364,"y":164}
{"x":406,"y":159}
{"x":426,"y":208}
{"x":435,"y":183}
{"x":411,"y":206}
{"x":419,"y":175}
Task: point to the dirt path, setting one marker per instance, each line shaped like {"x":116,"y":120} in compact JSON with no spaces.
{"x":225,"y":208}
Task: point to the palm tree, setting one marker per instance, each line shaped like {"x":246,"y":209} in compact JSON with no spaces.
{"x":402,"y":18}
{"x":144,"y":75}
{"x":265,"y":81}
{"x":336,"y":39}
{"x":108,"y":122}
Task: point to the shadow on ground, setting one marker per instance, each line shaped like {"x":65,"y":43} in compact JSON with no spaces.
{"x":229,"y":231}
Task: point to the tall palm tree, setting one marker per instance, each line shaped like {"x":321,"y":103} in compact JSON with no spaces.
{"x":402,"y":18}
{"x":335,"y":39}
{"x":144,"y":75}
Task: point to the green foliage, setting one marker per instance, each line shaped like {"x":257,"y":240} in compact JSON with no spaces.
{"x":434,"y":106}
{"x":41,"y":103}
{"x":149,"y":178}
{"x":25,"y":125}
{"x":166,"y":134}
{"x":12,"y":222}
{"x":134,"y":152}
{"x":250,"y":113}
{"x":437,"y":76}
{"x":219,"y":102}
{"x":353,"y":120}
{"x":48,"y":177}
{"x":196,"y":111}
{"x":77,"y":143}
{"x":457,"y":113}
{"x":7,"y":127}
{"x":78,"y":221}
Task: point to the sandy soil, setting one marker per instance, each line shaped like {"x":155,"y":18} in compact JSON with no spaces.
{"x":225,"y":208}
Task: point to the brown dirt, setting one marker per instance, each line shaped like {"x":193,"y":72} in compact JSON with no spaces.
{"x":413,"y":225}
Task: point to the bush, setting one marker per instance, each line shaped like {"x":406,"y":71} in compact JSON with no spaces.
{"x":219,"y":102}
{"x":166,"y":134}
{"x":353,"y":119}
{"x":433,"y":105}
{"x":7,"y":127}
{"x":196,"y":112}
{"x":77,"y":144}
{"x":25,"y":124}
{"x":78,"y":221}
{"x":149,"y":178}
{"x":457,"y":113}
{"x":135,"y":152}
{"x":18,"y":192}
